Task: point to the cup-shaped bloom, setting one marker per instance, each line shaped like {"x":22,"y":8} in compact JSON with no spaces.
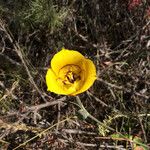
{"x":70,"y":73}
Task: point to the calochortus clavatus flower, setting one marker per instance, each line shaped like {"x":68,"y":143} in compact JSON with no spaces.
{"x":70,"y":73}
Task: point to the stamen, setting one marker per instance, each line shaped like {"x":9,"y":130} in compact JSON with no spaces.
{"x":72,"y":77}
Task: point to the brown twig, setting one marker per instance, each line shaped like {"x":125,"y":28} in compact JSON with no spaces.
{"x":47,"y":104}
{"x":76,"y":131}
{"x":97,"y":99}
{"x":18,"y":50}
{"x":119,"y":147}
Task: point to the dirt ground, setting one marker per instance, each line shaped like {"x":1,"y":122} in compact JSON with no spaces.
{"x":114,"y":114}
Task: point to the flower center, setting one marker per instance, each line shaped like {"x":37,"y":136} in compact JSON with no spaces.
{"x":70,"y":77}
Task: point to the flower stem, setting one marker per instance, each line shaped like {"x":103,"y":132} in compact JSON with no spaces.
{"x":90,"y":116}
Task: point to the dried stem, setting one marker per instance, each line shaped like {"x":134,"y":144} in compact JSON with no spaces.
{"x":18,"y":50}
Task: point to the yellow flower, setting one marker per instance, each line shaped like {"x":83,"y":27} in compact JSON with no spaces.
{"x":70,"y":73}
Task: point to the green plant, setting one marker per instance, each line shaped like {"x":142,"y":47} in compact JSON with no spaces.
{"x":44,"y":13}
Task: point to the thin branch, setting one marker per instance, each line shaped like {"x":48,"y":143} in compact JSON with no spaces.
{"x":110,"y":84}
{"x":18,"y":50}
{"x":119,"y":147}
{"x":10,"y":60}
{"x":76,"y":131}
{"x":121,"y":88}
{"x":143,"y":129}
{"x":47,"y":104}
{"x":97,"y":99}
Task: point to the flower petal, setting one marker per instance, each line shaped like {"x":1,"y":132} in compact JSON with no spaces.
{"x":65,"y":57}
{"x":52,"y":84}
{"x":90,"y":76}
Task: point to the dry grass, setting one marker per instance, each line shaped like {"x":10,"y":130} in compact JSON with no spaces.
{"x":113,"y":114}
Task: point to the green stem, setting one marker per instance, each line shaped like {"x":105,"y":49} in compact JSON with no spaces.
{"x":90,"y":116}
